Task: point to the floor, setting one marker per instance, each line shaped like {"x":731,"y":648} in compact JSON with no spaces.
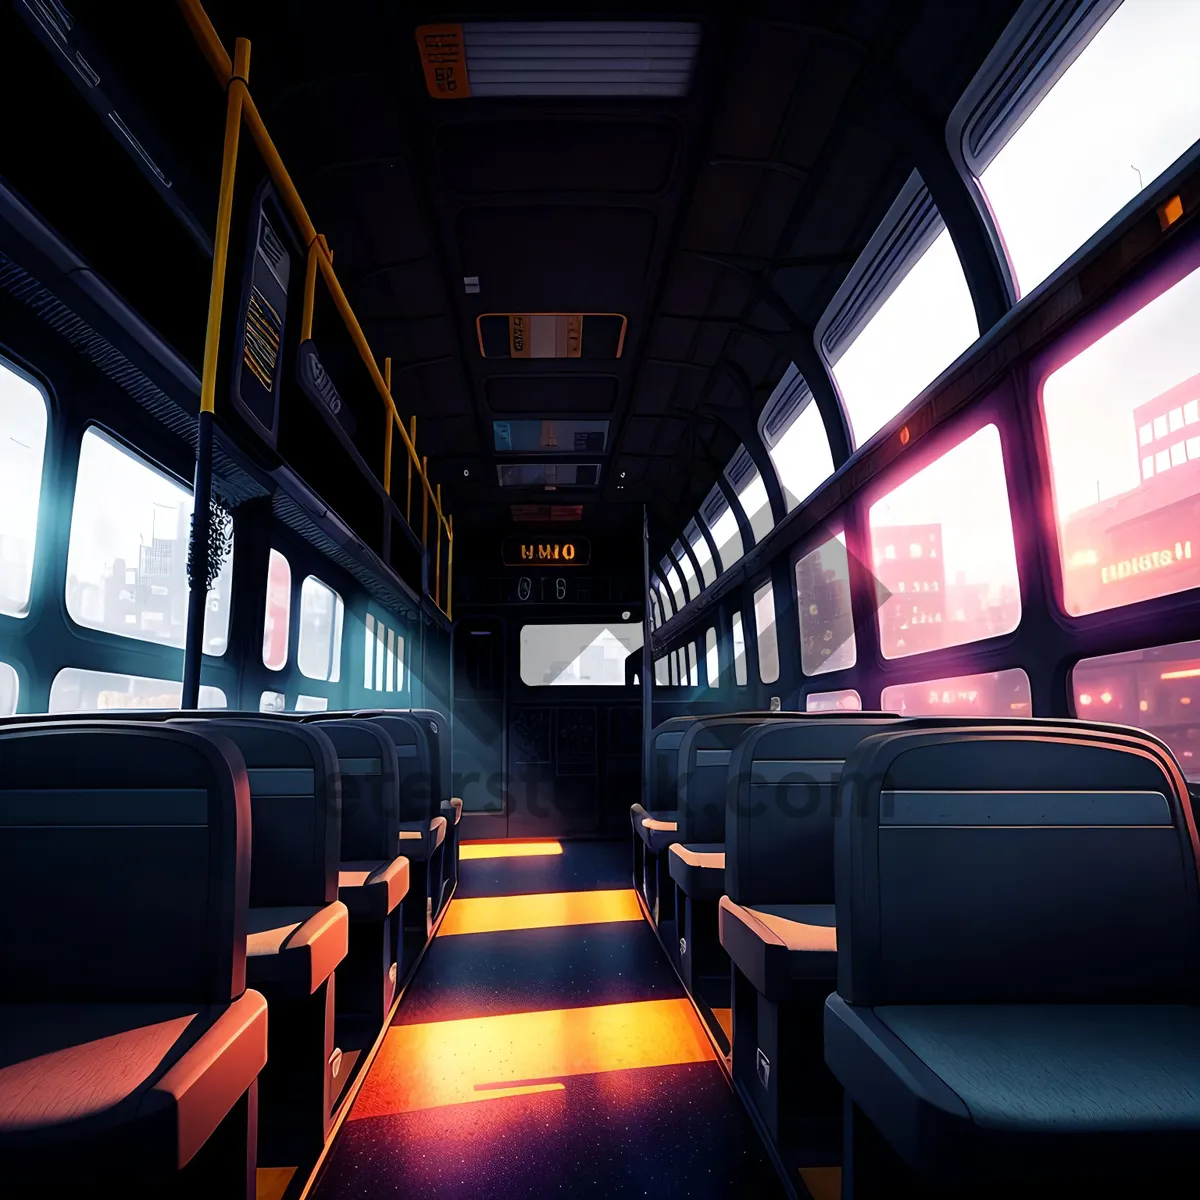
{"x":545,"y":1049}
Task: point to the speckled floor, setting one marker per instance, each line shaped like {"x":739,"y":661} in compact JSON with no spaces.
{"x":539,"y":1062}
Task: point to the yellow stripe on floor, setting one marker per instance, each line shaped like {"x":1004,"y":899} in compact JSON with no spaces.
{"x":474,"y":850}
{"x":483,"y":1058}
{"x":547,"y":910}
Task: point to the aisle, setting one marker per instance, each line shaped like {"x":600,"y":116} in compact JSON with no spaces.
{"x":544,"y":1049}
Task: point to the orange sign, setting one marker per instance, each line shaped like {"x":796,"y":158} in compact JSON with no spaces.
{"x":444,"y":60}
{"x":545,"y":335}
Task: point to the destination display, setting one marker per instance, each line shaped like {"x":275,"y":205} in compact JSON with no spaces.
{"x":537,"y":552}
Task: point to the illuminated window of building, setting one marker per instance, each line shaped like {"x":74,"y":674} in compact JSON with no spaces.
{"x":994,"y":694}
{"x":23,"y":420}
{"x":740,"y":674}
{"x":845,"y":700}
{"x":1191,"y":412}
{"x":961,"y":564}
{"x":77,"y":690}
{"x":1193,"y":448}
{"x":278,"y":614}
{"x":765,"y":633}
{"x":1145,"y":435}
{"x":1114,"y":120}
{"x":712,"y":662}
{"x":1126,"y":533}
{"x":1160,"y":427}
{"x":823,"y":602}
{"x":127,"y":555}
{"x":1156,"y":689}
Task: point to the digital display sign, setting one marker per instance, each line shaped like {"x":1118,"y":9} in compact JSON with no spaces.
{"x":529,"y":552}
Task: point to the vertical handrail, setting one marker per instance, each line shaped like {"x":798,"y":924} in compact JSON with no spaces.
{"x":387,"y":432}
{"x":408,"y":505}
{"x":450,"y":570}
{"x":193,"y":650}
{"x":437,"y":583}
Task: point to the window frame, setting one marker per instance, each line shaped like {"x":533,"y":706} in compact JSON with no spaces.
{"x":766,"y":587}
{"x":338,"y":631}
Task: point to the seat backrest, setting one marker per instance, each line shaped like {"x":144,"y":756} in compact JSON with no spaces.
{"x":295,"y":808}
{"x":665,"y":740}
{"x":781,"y":799}
{"x":1031,"y":864}
{"x":370,"y":788}
{"x":414,"y":752}
{"x":124,"y":864}
{"x":439,"y":727}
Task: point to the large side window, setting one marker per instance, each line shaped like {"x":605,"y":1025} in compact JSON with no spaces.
{"x":319,"y":651}
{"x":10,"y":687}
{"x":722,"y":524}
{"x":23,"y":421}
{"x":674,"y":583}
{"x":943,"y":546}
{"x":767,"y":638}
{"x":383,"y":666}
{"x":77,"y":690}
{"x":844,"y":700}
{"x":1119,"y":115}
{"x":699,"y":545}
{"x":278,"y":614}
{"x":751,"y":493}
{"x":1156,"y":689}
{"x":799,"y":447}
{"x":689,"y":572}
{"x":1123,"y":426}
{"x":823,"y":601}
{"x":712,"y":661}
{"x":577,"y":655}
{"x":995,"y":694}
{"x":741,"y":675}
{"x":127,"y":555}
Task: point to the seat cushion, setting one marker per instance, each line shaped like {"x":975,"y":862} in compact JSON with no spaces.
{"x":437,"y":829}
{"x":699,"y":869}
{"x":292,"y":951}
{"x":370,"y":890}
{"x":780,"y":947}
{"x":1012,"y":1089}
{"x":85,"y":1088}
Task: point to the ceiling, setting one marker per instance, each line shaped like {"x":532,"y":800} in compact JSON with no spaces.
{"x":678,"y":213}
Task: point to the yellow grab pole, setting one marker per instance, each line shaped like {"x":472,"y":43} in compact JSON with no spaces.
{"x":450,"y":571}
{"x":216,"y":293}
{"x":424,"y":506}
{"x":413,"y":440}
{"x":207,"y":39}
{"x":387,"y":433}
{"x":310,"y":293}
{"x":437,"y":579}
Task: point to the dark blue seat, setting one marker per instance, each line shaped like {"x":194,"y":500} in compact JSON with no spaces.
{"x":130,"y":1047}
{"x":1019,"y":977}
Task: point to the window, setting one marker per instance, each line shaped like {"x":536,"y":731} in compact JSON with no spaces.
{"x":712,"y":661}
{"x":10,"y":687}
{"x":801,"y":456}
{"x":577,"y":655}
{"x":664,"y":602}
{"x":943,"y":549}
{"x":699,"y":545}
{"x":311,"y":703}
{"x":127,"y":555}
{"x":662,"y":672}
{"x":689,"y":572}
{"x":272,"y":702}
{"x":1157,"y":689}
{"x":764,"y":626}
{"x":925,"y":321}
{"x":674,"y":661}
{"x":383,"y":657}
{"x":279,"y":610}
{"x":823,"y":601}
{"x":23,"y":420}
{"x":1127,"y":513}
{"x":319,"y":653}
{"x":693,"y":666}
{"x":846,"y":700}
{"x":727,"y":536}
{"x":673,"y":582}
{"x":997,"y":694}
{"x":77,"y":690}
{"x":740,"y":674}
{"x":1114,"y":121}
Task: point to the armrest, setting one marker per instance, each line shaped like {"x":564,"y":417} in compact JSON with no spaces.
{"x":295,"y":949}
{"x":371,"y":890}
{"x":457,"y":804}
{"x":326,"y":938}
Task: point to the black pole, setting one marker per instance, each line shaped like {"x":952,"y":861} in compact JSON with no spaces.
{"x":198,"y":557}
{"x":647,"y":662}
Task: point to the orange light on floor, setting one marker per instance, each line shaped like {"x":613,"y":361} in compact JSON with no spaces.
{"x":470,"y":850}
{"x":545,"y":910}
{"x":485,"y":1058}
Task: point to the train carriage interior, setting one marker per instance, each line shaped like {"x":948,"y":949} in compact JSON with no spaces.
{"x":619,"y":585}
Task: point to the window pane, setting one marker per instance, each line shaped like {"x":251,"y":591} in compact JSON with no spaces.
{"x":1119,"y":116}
{"x":127,"y":557}
{"x":1157,"y":689}
{"x":756,"y":506}
{"x":997,"y":694}
{"x":312,"y":704}
{"x":77,"y":690}
{"x":272,"y":702}
{"x":922,"y":327}
{"x":699,"y":544}
{"x":802,"y":457}
{"x":662,"y":672}
{"x":768,"y":642}
{"x":279,"y":611}
{"x":728,"y":538}
{"x":943,"y":546}
{"x":667,"y":610}
{"x":577,"y":655}
{"x":823,"y":600}
{"x":712,"y":662}
{"x":23,"y":417}
{"x":10,"y":686}
{"x":369,"y":653}
{"x":319,"y":653}
{"x":693,"y":666}
{"x":674,"y":660}
{"x":740,"y":675}
{"x":391,"y":660}
{"x":846,"y":700}
{"x":675,"y":585}
{"x":399,"y":662}
{"x":1127,"y":513}
{"x":380,"y":654}
{"x":689,"y":572}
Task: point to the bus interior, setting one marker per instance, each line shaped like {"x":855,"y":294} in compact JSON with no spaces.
{"x":600,"y":602}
